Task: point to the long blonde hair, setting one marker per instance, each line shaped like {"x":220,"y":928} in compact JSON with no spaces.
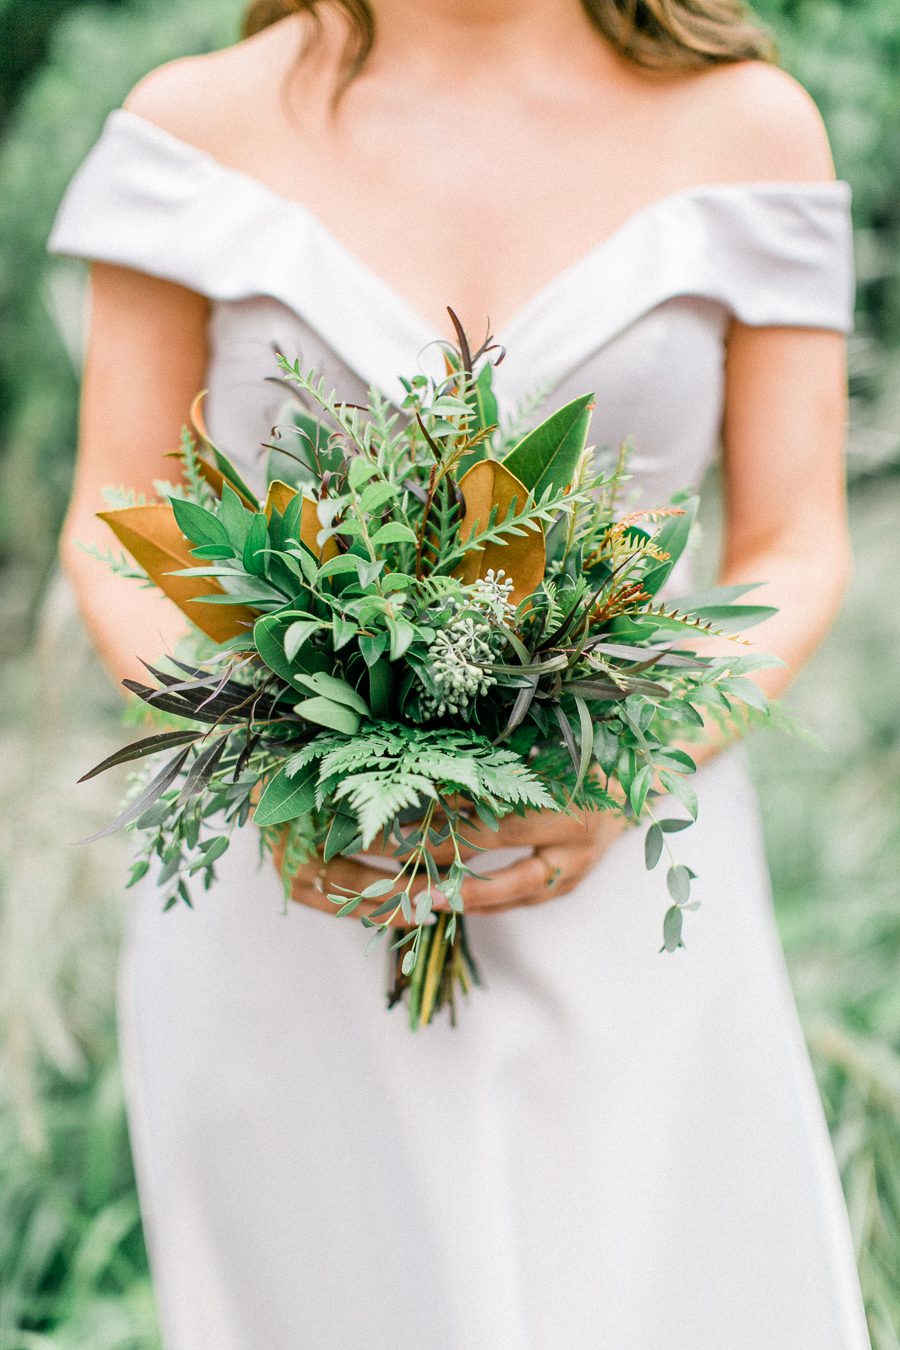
{"x":668,"y":35}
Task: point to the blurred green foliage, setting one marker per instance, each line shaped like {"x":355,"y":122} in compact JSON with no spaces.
{"x":72,"y":1265}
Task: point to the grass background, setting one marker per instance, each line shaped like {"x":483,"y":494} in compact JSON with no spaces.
{"x":72,"y":1262}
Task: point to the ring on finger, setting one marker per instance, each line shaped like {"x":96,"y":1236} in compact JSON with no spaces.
{"x":553,"y":873}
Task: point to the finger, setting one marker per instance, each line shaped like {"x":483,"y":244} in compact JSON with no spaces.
{"x":557,"y":870}
{"x":344,"y":874}
{"x":532,"y":830}
{"x":541,"y":828}
{"x":507,"y":884}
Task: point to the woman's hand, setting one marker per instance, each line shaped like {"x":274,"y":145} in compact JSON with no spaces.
{"x":566,"y":848}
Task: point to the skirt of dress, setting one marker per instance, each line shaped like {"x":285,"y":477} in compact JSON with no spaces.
{"x":615,"y":1149}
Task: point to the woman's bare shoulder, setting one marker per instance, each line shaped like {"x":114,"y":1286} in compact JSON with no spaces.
{"x":210,"y":99}
{"x":757,"y":123}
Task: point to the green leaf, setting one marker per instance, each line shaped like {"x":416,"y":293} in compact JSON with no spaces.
{"x":341,"y":565}
{"x":213,"y":551}
{"x":297,"y":635}
{"x":716,"y":595}
{"x":361,"y":470}
{"x":671,"y":539}
{"x":394,"y":532}
{"x":670,"y":757}
{"x":286,"y":798}
{"x":681,"y":789}
{"x":257,"y":538}
{"x":343,"y":631}
{"x":376,"y":496}
{"x":735,"y":618}
{"x":402,"y":634}
{"x":672,"y":927}
{"x":673,"y":825}
{"x":235,"y":517}
{"x":586,"y":737}
{"x":325,"y":713}
{"x":343,"y":835}
{"x":268,"y":639}
{"x":198,"y":524}
{"x":747,"y":691}
{"x":640,"y":787}
{"x":372,"y":647}
{"x":484,"y":399}
{"x":653,"y":845}
{"x":214,"y":848}
{"x":549,"y":454}
{"x":678,"y":881}
{"x":338,"y":690}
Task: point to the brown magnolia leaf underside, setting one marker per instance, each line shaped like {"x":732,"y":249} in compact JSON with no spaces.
{"x":486,"y":485}
{"x":152,"y":537}
{"x":278,"y":497}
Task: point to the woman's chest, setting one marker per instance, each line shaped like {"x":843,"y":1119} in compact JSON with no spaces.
{"x":658,"y":382}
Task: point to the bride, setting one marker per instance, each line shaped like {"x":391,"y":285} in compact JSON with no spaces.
{"x":614,"y":1150}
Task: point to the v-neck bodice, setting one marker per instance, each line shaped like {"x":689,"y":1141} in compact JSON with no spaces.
{"x":640,"y":320}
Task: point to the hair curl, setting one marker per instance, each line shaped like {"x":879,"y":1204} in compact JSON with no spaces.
{"x":666,"y":35}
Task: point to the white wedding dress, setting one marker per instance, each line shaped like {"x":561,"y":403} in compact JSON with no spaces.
{"x":615,"y":1149}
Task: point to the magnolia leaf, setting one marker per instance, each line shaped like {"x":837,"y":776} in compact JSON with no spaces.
{"x":152,"y":537}
{"x":490,"y":485}
{"x":285,"y":799}
{"x":278,"y":497}
{"x":548,"y":456}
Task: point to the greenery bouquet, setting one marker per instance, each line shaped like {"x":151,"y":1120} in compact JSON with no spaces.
{"x":429,"y":620}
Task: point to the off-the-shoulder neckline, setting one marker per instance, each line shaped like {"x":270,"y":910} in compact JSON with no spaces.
{"x":836,"y":188}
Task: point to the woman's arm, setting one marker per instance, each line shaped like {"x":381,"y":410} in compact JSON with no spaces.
{"x":145,"y":360}
{"x":784,"y":495}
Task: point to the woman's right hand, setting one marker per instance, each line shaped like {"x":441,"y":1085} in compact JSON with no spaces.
{"x":565,"y":849}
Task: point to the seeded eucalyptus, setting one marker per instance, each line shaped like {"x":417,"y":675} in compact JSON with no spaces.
{"x":430,"y":619}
